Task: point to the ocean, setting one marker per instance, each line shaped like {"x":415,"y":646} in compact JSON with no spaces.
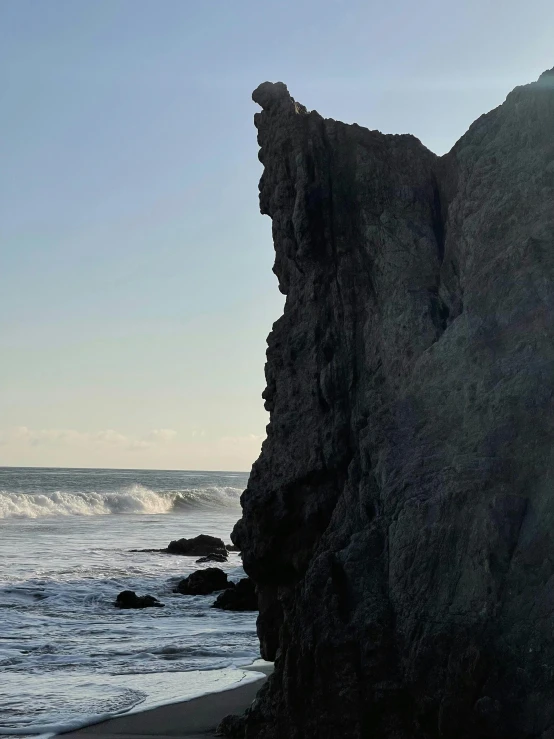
{"x":67,"y":656}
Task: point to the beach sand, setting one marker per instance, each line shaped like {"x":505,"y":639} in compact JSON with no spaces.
{"x":193,"y":719}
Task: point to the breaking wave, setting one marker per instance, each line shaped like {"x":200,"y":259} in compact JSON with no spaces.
{"x":135,"y":499}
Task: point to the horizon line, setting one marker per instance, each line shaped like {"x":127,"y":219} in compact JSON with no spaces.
{"x":117,"y":469}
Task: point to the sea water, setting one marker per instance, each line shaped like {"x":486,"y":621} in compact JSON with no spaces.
{"x":67,"y":655}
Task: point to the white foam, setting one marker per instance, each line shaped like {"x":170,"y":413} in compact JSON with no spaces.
{"x":135,"y":499}
{"x":229,"y":679}
{"x":68,"y":657}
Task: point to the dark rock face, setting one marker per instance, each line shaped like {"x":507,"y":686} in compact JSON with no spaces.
{"x":398,"y":523}
{"x":232,"y":727}
{"x":203,"y":582}
{"x":241,"y":597}
{"x":129,"y":599}
{"x":198,"y":546}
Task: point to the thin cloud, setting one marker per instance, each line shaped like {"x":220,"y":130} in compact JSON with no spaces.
{"x":162,"y":435}
{"x":241,"y":440}
{"x":108,"y":438}
{"x":159,"y":448}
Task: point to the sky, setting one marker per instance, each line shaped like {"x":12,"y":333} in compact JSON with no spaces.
{"x":135,"y":269}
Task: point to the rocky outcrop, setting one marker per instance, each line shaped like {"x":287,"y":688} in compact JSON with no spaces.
{"x":239,"y":597}
{"x":215,"y":557}
{"x":211,"y":548}
{"x":202,"y":545}
{"x":129,"y":599}
{"x":398,"y":523}
{"x":204,"y":582}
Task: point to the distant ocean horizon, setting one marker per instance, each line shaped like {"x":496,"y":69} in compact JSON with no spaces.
{"x":121,"y":469}
{"x":113,"y":469}
{"x":67,"y":656}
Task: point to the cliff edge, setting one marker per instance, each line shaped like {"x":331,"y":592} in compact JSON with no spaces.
{"x":399,"y":522}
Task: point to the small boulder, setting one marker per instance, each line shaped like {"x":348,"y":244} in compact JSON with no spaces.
{"x":233,"y":727}
{"x":204,"y":582}
{"x":213,"y":557}
{"x":129,"y":599}
{"x":240,"y":598}
{"x":232,"y":548}
{"x":199,"y":546}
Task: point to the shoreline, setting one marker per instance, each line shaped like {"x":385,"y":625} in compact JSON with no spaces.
{"x":191,"y":718}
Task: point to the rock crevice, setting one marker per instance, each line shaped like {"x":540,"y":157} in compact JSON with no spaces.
{"x":398,"y":521}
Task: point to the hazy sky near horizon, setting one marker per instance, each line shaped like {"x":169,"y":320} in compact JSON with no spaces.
{"x":135,"y":276}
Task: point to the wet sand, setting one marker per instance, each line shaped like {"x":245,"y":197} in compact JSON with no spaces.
{"x":192,"y":719}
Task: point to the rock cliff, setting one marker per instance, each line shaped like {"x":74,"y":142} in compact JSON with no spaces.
{"x":399,"y":522}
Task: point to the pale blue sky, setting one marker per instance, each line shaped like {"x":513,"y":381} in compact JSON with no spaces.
{"x":135,"y":276}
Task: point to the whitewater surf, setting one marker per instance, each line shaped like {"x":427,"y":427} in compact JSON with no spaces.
{"x":66,"y":654}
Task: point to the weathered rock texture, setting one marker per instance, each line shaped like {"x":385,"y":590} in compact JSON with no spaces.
{"x":399,"y":522}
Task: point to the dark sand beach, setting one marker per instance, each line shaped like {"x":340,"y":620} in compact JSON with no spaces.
{"x":198,"y":717}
